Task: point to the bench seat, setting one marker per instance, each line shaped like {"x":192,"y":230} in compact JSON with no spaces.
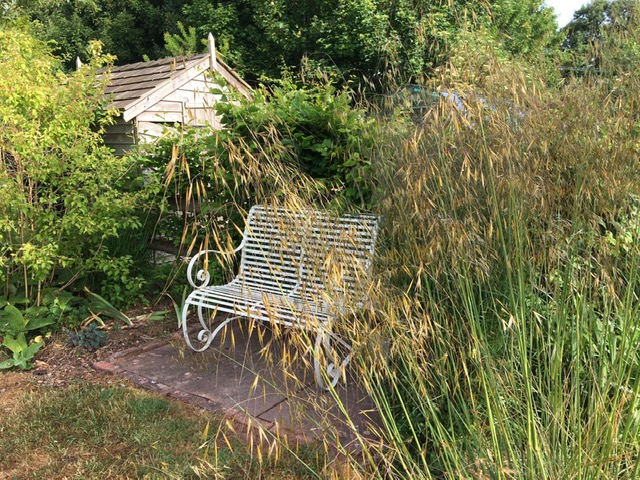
{"x":298,"y":268}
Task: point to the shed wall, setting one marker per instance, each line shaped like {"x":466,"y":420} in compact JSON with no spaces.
{"x":189,"y":104}
{"x":120,"y":136}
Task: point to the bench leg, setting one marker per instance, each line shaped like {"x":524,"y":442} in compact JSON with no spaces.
{"x":331,"y":355}
{"x":205,"y":336}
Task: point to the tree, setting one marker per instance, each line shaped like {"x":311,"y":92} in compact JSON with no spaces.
{"x":525,"y":27}
{"x":351,"y":39}
{"x":128,"y":29}
{"x":363,"y":37}
{"x":583,"y":36}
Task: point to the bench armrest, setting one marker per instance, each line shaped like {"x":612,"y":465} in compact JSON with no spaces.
{"x":202,"y":277}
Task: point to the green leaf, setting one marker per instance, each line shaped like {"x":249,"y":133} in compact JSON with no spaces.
{"x":39,"y":322}
{"x":157,"y":316}
{"x":20,"y":361}
{"x":11,"y":320}
{"x":22,"y":300}
{"x":61,"y":298}
{"x":17,"y":344}
{"x":29,"y":352}
{"x":7,"y":364}
{"x":106,"y":308}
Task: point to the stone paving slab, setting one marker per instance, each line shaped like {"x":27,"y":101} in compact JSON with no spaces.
{"x":241,"y":379}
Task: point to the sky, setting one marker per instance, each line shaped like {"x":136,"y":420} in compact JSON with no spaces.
{"x":565,"y":8}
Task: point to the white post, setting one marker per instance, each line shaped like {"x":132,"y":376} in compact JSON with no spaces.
{"x":212,"y":52}
{"x":78,"y":63}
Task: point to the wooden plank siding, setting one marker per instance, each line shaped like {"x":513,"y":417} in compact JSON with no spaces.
{"x":150,"y":131}
{"x":120,"y":136}
{"x":164,"y":112}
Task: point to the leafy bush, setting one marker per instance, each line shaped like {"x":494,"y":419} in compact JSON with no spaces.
{"x":290,"y":140}
{"x":65,"y":200}
{"x":16,"y":335}
{"x":316,"y":128}
{"x":61,"y":200}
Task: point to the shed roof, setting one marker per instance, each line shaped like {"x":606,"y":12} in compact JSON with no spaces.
{"x":134,"y":84}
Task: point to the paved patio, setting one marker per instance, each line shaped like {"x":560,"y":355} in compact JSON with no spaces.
{"x":252,"y":385}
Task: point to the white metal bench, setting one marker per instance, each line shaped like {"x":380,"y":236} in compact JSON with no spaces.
{"x":299,"y":269}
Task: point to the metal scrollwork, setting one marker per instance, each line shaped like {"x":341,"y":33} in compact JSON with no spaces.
{"x":202,"y":277}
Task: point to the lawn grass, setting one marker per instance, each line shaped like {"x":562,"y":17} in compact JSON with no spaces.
{"x":97,"y":431}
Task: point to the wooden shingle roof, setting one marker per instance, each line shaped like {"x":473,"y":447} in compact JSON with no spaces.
{"x":132,"y":87}
{"x":129,"y":83}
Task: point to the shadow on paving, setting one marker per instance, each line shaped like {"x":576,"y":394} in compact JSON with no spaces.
{"x":253,"y":378}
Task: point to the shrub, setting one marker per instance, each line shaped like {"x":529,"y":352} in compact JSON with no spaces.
{"x":61,"y":198}
{"x":288,"y":141}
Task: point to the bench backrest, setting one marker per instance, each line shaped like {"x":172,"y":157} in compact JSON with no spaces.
{"x":317,"y":255}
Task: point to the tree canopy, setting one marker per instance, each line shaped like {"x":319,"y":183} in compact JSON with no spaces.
{"x":363,"y":37}
{"x":353,"y":38}
{"x":591,"y":24}
{"x":128,"y":29}
{"x":592,"y":19}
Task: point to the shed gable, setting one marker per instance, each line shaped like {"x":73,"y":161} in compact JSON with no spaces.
{"x":153,"y":95}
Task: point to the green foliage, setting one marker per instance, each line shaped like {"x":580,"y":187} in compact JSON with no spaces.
{"x":129,"y":29}
{"x":363,"y":38}
{"x":525,"y":28}
{"x":14,"y":328}
{"x":62,"y":199}
{"x":593,"y":19}
{"x":89,"y":338}
{"x":319,"y":130}
{"x":594,"y":26}
{"x":312,"y":137}
{"x":23,"y":327}
{"x":322,"y":134}
{"x":354,"y":39}
{"x":100,"y":307}
{"x":186,"y":43}
{"x":197,"y":184}
{"x":22,"y":352}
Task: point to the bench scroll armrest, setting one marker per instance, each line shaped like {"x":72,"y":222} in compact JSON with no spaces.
{"x":202,"y":277}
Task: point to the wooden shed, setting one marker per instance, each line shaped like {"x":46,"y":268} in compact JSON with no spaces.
{"x":158,"y":94}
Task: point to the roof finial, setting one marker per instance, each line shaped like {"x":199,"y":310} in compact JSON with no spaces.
{"x":78,"y":63}
{"x":212,"y":51}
